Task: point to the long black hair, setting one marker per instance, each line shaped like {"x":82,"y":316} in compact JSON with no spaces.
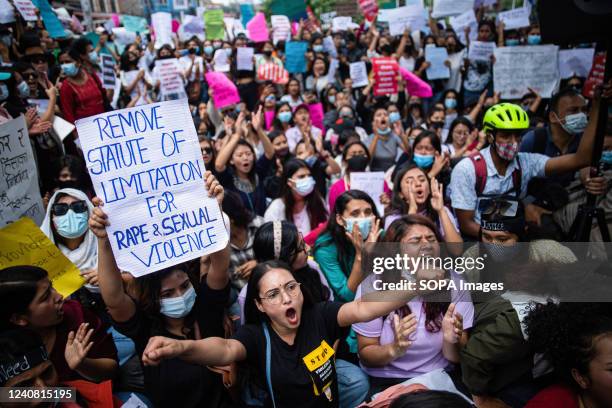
{"x":398,"y":204}
{"x":461,"y":120}
{"x":337,"y":231}
{"x":18,"y":286}
{"x":236,"y":210}
{"x":314,"y":203}
{"x":252,"y":314}
{"x":263,"y":247}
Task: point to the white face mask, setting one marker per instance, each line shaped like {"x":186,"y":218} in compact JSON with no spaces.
{"x":179,"y":306}
{"x":305,"y":186}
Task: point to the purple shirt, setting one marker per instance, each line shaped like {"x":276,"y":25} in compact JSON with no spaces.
{"x":425,"y":353}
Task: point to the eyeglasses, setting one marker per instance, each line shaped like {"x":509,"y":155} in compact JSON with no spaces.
{"x":274,"y":297}
{"x":503,"y":207}
{"x":62,"y":208}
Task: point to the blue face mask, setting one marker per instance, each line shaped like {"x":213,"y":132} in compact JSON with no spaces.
{"x":304,"y":186}
{"x":228,"y":52}
{"x":364,"y":224}
{"x":534,"y":39}
{"x":93,"y":57}
{"x":385,"y":131}
{"x":70,"y":69}
{"x":284,"y":117}
{"x":179,"y":306}
{"x":606,"y":157}
{"x":575,"y":123}
{"x":24,"y":89}
{"x":450,"y":103}
{"x":331,"y":99}
{"x":423,"y":161}
{"x":512,"y":42}
{"x":310,"y":160}
{"x":71,"y":224}
{"x":394,"y":117}
{"x":4,"y":93}
{"x":208,"y":50}
{"x":317,"y":48}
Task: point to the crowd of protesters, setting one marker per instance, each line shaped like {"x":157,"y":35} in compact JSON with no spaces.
{"x":277,"y":318}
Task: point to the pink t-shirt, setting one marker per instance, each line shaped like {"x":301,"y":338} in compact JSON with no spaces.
{"x":425,"y":353}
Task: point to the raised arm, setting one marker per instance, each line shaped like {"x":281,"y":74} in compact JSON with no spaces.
{"x":402,"y":44}
{"x":258,"y":121}
{"x":217,"y":276}
{"x":120,"y":306}
{"x":228,"y":148}
{"x":212,"y":351}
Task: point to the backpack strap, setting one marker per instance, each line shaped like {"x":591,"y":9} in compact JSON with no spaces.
{"x":517,"y":177}
{"x":540,"y":137}
{"x":268,"y":362}
{"x":480,"y":168}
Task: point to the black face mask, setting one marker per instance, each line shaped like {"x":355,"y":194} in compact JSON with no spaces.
{"x":357,"y":163}
{"x":268,"y":53}
{"x":191,"y":51}
{"x":437,"y":125}
{"x":282,"y":152}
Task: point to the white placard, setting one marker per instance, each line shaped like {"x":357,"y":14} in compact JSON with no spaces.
{"x":107,"y":64}
{"x":123,"y":37}
{"x":180,"y":5}
{"x":220,"y":61}
{"x":330,"y":47}
{"x":281,"y":28}
{"x":443,"y":8}
{"x":406,"y":17}
{"x":467,"y":19}
{"x":481,"y":50}
{"x":168,"y":72}
{"x":244,"y":58}
{"x":577,"y":61}
{"x":7,"y":13}
{"x":162,"y":25}
{"x":326,"y":18}
{"x":334,"y":64}
{"x":341,"y":23}
{"x":26,"y":9}
{"x":41,"y":105}
{"x":359,"y":74}
{"x":146,"y":165}
{"x":62,"y":127}
{"x":437,"y":57}
{"x":522,"y":67}
{"x":19,"y":192}
{"x":371,"y":183}
{"x":516,"y":18}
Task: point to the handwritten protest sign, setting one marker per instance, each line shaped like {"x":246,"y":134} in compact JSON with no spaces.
{"x":215,"y":26}
{"x":371,"y":183}
{"x":170,"y":80}
{"x":437,"y":57}
{"x":522,"y":67}
{"x":329,"y":46}
{"x":415,"y":85}
{"x":244,"y":58}
{"x":257,"y":28}
{"x":146,"y":166}
{"x":23,"y":243}
{"x":225,"y":92}
{"x":19,"y":193}
{"x":576,"y":61}
{"x":326,"y":18}
{"x":596,"y":76}
{"x":162,"y":25}
{"x":7,"y":14}
{"x":515,"y":18}
{"x":294,"y":9}
{"x":52,"y":23}
{"x":295,"y":56}
{"x":220,"y":61}
{"x":26,"y":9}
{"x":481,"y":50}
{"x":341,"y":23}
{"x":107,"y":63}
{"x":359,"y":74}
{"x":281,"y":28}
{"x":369,"y":9}
{"x":463,"y":20}
{"x":400,"y":18}
{"x":444,"y":8}
{"x":385,"y":75}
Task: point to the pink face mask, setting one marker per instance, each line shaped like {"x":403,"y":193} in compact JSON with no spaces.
{"x":506,"y":151}
{"x":334,"y":139}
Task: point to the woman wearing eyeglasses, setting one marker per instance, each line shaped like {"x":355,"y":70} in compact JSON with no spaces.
{"x":66,"y":226}
{"x":287,"y":341}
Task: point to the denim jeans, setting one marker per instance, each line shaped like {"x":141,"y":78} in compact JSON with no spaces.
{"x":353,"y":384}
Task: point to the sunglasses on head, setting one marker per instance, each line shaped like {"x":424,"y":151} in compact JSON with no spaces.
{"x":62,"y":208}
{"x":503,"y":207}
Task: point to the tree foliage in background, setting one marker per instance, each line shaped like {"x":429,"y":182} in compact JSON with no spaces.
{"x":317,"y":6}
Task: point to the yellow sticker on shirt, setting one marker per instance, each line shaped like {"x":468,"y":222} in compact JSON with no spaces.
{"x":318,"y":356}
{"x":320,"y":365}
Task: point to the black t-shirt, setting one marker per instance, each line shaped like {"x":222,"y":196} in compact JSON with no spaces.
{"x":174,"y":382}
{"x":292,"y":380}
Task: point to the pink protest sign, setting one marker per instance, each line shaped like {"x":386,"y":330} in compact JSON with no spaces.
{"x":257,"y":28}
{"x":175,"y":26}
{"x":415,"y":85}
{"x":224,"y":91}
{"x":385,"y":75}
{"x":316,"y":115}
{"x":269,"y":115}
{"x":116,"y":20}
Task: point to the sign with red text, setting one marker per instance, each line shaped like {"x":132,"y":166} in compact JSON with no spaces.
{"x":385,"y":71}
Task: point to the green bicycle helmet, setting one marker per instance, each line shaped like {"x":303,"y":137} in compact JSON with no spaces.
{"x":505,"y":116}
